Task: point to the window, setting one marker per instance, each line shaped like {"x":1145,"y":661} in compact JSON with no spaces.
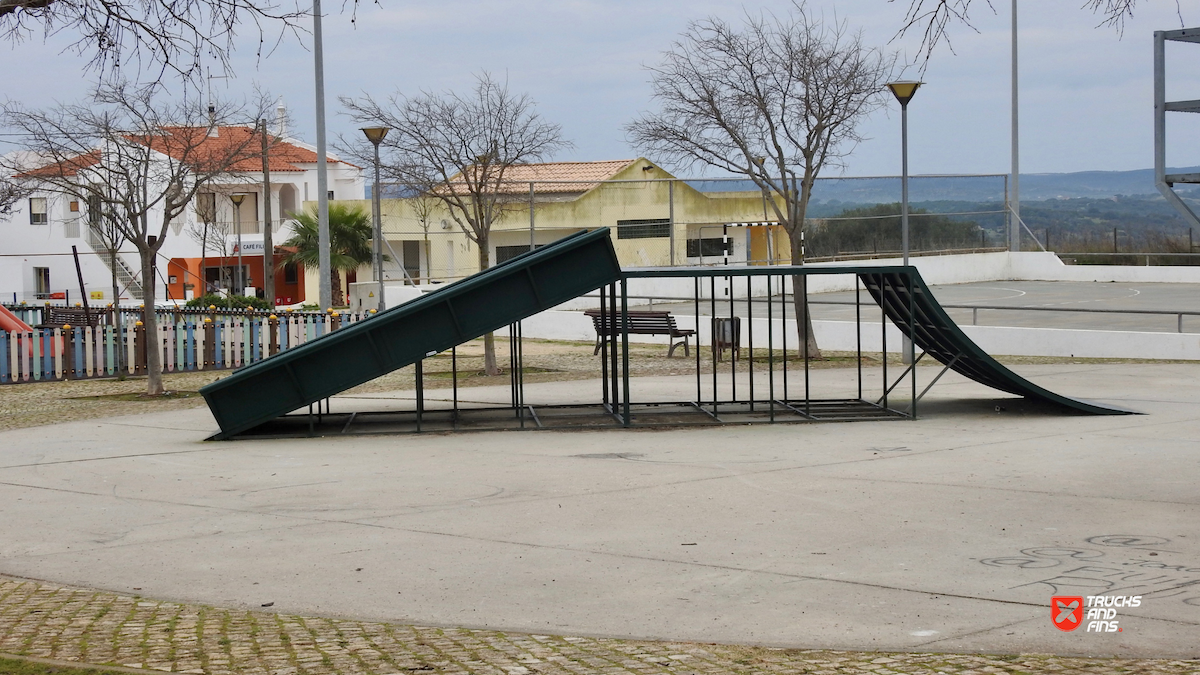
{"x":41,"y":282}
{"x":643,"y":229}
{"x":331,"y":194}
{"x":506,"y":253}
{"x":291,"y":275}
{"x":206,"y":206}
{"x":95,"y":209}
{"x":37,"y":211}
{"x":697,"y":248}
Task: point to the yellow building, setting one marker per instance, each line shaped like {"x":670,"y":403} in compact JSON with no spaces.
{"x":656,"y":219}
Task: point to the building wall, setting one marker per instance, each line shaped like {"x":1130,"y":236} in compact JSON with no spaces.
{"x":447,"y":253}
{"x":27,"y":246}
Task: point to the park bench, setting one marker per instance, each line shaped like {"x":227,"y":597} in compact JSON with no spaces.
{"x":641,"y":322}
{"x":57,"y":317}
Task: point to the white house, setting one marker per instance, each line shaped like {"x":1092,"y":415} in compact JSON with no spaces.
{"x":201,"y":248}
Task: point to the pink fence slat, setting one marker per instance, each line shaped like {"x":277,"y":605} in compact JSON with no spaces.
{"x":89,"y":360}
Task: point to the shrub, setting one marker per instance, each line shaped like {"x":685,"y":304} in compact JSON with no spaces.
{"x":228,"y":302}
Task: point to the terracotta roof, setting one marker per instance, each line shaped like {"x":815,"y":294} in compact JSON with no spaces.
{"x":577,"y":176}
{"x":67,"y":167}
{"x":282,"y":155}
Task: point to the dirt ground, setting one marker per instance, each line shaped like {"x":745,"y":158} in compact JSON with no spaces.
{"x":38,"y":403}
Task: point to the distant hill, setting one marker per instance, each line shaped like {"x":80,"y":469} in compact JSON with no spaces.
{"x":1034,"y":187}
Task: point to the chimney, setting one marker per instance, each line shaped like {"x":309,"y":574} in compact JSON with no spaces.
{"x":280,"y":119}
{"x":212,"y":121}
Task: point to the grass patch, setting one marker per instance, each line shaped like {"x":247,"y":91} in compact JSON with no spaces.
{"x":137,"y":396}
{"x":447,"y":374}
{"x":23,"y":667}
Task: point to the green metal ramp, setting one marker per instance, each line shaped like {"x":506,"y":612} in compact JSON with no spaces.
{"x":907,"y":301}
{"x":462,"y":311}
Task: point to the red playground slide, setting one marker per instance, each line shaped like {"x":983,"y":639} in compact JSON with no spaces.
{"x":10,"y":322}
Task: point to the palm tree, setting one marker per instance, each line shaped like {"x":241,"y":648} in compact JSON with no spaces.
{"x":349,"y":243}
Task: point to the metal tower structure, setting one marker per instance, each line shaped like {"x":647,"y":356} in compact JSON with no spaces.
{"x":1166,"y":182}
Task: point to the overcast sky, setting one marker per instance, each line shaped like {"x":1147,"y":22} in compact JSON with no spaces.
{"x":1086,"y":92}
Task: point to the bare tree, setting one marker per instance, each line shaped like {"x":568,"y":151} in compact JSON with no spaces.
{"x":424,"y":207}
{"x":162,"y":35}
{"x":457,"y":149}
{"x":775,"y":100}
{"x":934,"y":17}
{"x":11,"y":192}
{"x":141,"y":161}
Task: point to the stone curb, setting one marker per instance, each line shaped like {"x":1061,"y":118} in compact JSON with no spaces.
{"x":63,"y":625}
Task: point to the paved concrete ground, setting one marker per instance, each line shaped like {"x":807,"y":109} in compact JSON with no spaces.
{"x":949,"y":533}
{"x":1038,"y":294}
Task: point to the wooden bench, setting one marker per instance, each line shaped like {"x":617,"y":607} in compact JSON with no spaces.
{"x":609,"y":324}
{"x":57,"y":317}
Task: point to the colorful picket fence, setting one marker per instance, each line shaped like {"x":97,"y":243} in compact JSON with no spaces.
{"x":189,"y":344}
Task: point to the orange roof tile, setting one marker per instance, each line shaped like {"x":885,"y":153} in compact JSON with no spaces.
{"x":67,"y":167}
{"x":575,"y":176}
{"x":282,"y":155}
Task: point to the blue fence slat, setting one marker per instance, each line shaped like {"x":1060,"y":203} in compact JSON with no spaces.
{"x":4,"y":376}
{"x":78,"y":346}
{"x":254,"y":333}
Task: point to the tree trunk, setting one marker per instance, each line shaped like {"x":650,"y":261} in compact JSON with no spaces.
{"x":116,"y":315}
{"x":489,"y":340}
{"x":154,"y":383}
{"x":335,"y":282}
{"x":804,"y":327}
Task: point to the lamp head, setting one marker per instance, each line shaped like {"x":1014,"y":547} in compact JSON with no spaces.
{"x":237,"y":198}
{"x":904,"y":90}
{"x":375,"y":134}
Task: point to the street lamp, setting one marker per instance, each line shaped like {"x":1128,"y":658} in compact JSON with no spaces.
{"x":237,"y":200}
{"x":903,"y":91}
{"x":376,"y":136}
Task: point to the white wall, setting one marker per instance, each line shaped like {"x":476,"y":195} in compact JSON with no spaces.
{"x":843,"y":336}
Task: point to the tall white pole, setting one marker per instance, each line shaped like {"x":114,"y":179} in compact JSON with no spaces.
{"x":326,"y":288}
{"x":1014,"y":230}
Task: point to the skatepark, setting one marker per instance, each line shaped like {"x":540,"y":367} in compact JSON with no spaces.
{"x":947,"y":531}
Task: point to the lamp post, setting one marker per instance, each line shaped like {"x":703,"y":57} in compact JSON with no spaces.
{"x":903,"y":91}
{"x":237,"y":199}
{"x":376,"y":136}
{"x":324,"y":283}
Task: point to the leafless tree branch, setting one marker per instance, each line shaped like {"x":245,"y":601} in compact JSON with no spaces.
{"x":158,"y":36}
{"x":935,"y":18}
{"x":457,"y":148}
{"x":777,"y":100}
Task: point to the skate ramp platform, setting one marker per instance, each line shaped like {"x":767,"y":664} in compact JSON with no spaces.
{"x":910,"y":305}
{"x":496,"y":297}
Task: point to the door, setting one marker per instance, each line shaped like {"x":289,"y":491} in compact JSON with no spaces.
{"x":412,"y":259}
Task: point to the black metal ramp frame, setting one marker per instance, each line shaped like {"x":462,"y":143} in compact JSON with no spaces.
{"x":406,"y":334}
{"x":910,"y":305}
{"x":262,"y":393}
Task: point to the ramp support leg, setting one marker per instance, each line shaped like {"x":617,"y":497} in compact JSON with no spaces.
{"x":932,"y":382}
{"x":900,"y":379}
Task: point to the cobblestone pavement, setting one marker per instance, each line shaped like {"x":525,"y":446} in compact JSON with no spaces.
{"x":47,"y":620}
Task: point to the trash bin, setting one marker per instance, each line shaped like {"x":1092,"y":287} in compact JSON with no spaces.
{"x":726,"y":335}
